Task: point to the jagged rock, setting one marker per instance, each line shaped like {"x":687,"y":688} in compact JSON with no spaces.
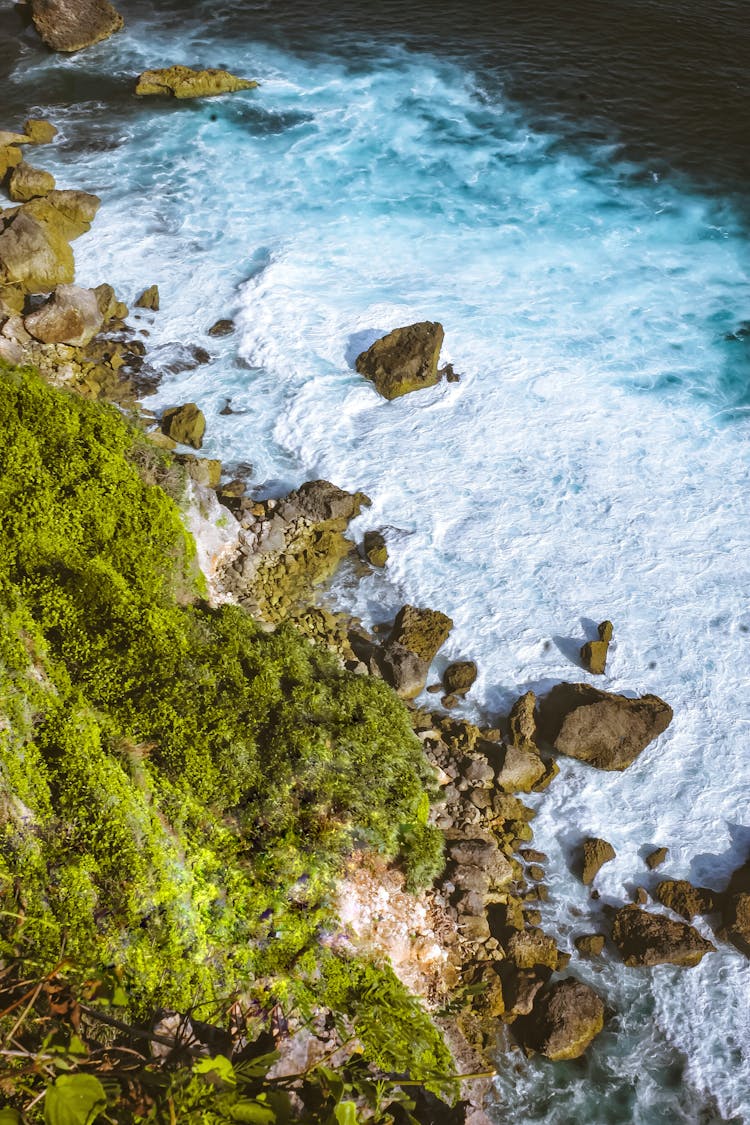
{"x":34,"y":241}
{"x":222,"y":328}
{"x":736,"y":909}
{"x":651,"y":939}
{"x":594,"y":653}
{"x":184,"y":424}
{"x":520,"y":771}
{"x":522,"y":722}
{"x":478,"y":770}
{"x":423,"y":631}
{"x":71,"y":316}
{"x":109,"y":306}
{"x":405,"y":360}
{"x":596,"y":853}
{"x":149,"y":299}
{"x":184,"y":82}
{"x":375,"y":550}
{"x":403,"y":670}
{"x":528,"y":949}
{"x":319,"y":501}
{"x":590,"y":945}
{"x":606,"y":730}
{"x":564,"y":1020}
{"x":531,"y":855}
{"x":639,"y":896}
{"x":71,"y":25}
{"x":472,"y":851}
{"x":10,"y":157}
{"x":39,"y":132}
{"x":685,"y":899}
{"x":656,"y":858}
{"x":459,"y":676}
{"x":75,"y":210}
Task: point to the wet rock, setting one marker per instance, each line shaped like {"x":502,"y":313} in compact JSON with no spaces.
{"x":606,"y":730}
{"x":374,"y":548}
{"x":71,"y":25}
{"x":423,"y":631}
{"x":39,"y":131}
{"x":405,"y":360}
{"x":520,"y":770}
{"x":109,"y":306}
{"x":685,"y":899}
{"x":590,"y":945}
{"x":651,"y":939}
{"x":522,"y":723}
{"x":736,"y":909}
{"x":656,"y":858}
{"x":595,"y":853}
{"x":531,"y":855}
{"x":10,"y":157}
{"x":594,"y":653}
{"x":564,"y":1020}
{"x":149,"y":299}
{"x":222,"y":328}
{"x":184,"y":424}
{"x":183,"y":82}
{"x":319,"y":501}
{"x":71,"y":316}
{"x":506,"y":917}
{"x":459,"y":677}
{"x":26,"y":182}
{"x":639,"y":896}
{"x":535,"y":872}
{"x":520,"y":988}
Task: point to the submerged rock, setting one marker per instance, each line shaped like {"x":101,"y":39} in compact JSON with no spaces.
{"x":222,"y":328}
{"x":184,"y":424}
{"x":651,"y":939}
{"x":606,"y":730}
{"x":596,"y":853}
{"x":564,"y":1020}
{"x":184,"y":82}
{"x":405,"y":360}
{"x":71,"y":316}
{"x":71,"y":25}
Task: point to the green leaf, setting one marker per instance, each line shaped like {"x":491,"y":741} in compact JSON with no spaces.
{"x":10,"y":1117}
{"x":252,"y":1112}
{"x":257,"y":1067}
{"x":217,"y":1071}
{"x":346,"y":1113}
{"x":75,"y":1099}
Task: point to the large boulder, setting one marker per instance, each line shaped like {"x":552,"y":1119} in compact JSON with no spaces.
{"x":606,"y":730}
{"x":651,"y":939}
{"x":71,"y":25}
{"x":26,"y":182}
{"x":184,"y":82}
{"x":563,"y":1021}
{"x":736,"y":909}
{"x":404,"y":360}
{"x":35,"y":239}
{"x":407,"y":654}
{"x":522,"y":722}
{"x":319,"y":501}
{"x":685,"y":899}
{"x":459,"y":677}
{"x":185,"y":424}
{"x":39,"y":131}
{"x":521,"y":769}
{"x":71,"y":316}
{"x":595,"y":853}
{"x":10,"y":157}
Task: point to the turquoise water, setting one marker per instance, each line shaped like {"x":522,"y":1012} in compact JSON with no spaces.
{"x":591,"y":463}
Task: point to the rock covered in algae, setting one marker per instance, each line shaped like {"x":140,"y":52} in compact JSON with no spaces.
{"x":185,"y":424}
{"x":184,"y":82}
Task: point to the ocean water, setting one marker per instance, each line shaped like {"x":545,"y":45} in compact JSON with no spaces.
{"x":568,"y":195}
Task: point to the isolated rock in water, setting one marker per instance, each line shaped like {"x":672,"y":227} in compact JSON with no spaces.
{"x":71,"y":25}
{"x":149,"y":299}
{"x":39,"y":131}
{"x":183,"y":82}
{"x":422,"y":631}
{"x":185,"y":424}
{"x":459,"y":677}
{"x":375,"y":550}
{"x":10,"y":157}
{"x":71,"y":316}
{"x":27,"y":182}
{"x":596,"y":853}
{"x":404,"y":360}
{"x":651,"y":939}
{"x":522,"y":722}
{"x":685,"y":899}
{"x":656,"y":858}
{"x":594,"y":653}
{"x":222,"y":328}
{"x":563,"y":1021}
{"x":590,"y":945}
{"x":606,"y":730}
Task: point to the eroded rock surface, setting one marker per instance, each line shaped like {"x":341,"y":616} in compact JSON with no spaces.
{"x":184,"y":82}
{"x":595,"y":853}
{"x":405,"y":360}
{"x":71,"y":25}
{"x":649,"y":939}
{"x":564,"y":1020}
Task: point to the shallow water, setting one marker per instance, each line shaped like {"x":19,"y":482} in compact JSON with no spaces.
{"x":592,"y":277}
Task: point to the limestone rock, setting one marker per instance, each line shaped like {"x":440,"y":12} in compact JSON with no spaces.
{"x":530,"y":948}
{"x":606,"y":730}
{"x":75,"y":210}
{"x":184,"y":424}
{"x":149,"y":299}
{"x":656,"y":858}
{"x":405,"y":360}
{"x":375,"y":549}
{"x":71,"y":25}
{"x":685,"y":899}
{"x":184,"y":82}
{"x":12,"y":298}
{"x":109,"y":306}
{"x":651,"y":939}
{"x":521,"y":770}
{"x":596,"y":853}
{"x":563,"y":1022}
{"x":71,"y":316}
{"x":319,"y":501}
{"x":459,"y":677}
{"x":10,"y":157}
{"x":590,"y":945}
{"x":34,"y":240}
{"x":39,"y":132}
{"x":422,"y":631}
{"x":594,"y":653}
{"x":522,"y":722}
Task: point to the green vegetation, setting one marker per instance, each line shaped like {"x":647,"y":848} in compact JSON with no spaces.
{"x":177,"y":787}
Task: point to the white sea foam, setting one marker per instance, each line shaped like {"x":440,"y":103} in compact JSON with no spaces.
{"x":591,"y":463}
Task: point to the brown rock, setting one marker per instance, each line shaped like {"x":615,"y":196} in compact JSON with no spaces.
{"x":535,"y":872}
{"x":375,"y":550}
{"x":184,"y":82}
{"x":590,"y":945}
{"x":34,"y":240}
{"x":596,"y":853}
{"x":222,"y":328}
{"x":39,"y":132}
{"x":737,"y":921}
{"x":10,"y":157}
{"x":530,"y":948}
{"x":520,"y":987}
{"x":71,"y":316}
{"x":319,"y":501}
{"x":656,"y":858}
{"x":71,"y":25}
{"x":685,"y":899}
{"x":651,"y":939}
{"x":565,"y":1018}
{"x":594,"y":653}
{"x":149,"y":299}
{"x":184,"y":424}
{"x":639,"y":896}
{"x":606,"y":730}
{"x":405,"y":360}
{"x":459,"y":677}
{"x":422,"y":631}
{"x":522,"y":722}
{"x":520,"y":771}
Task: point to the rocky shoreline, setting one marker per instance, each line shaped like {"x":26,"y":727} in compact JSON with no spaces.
{"x":489,"y":955}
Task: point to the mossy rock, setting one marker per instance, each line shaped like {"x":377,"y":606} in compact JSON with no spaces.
{"x":184,"y":82}
{"x":184,"y":424}
{"x":459,"y":677}
{"x":563,"y":1022}
{"x":590,"y":945}
{"x":422,"y":631}
{"x":72,"y":25}
{"x":375,"y":549}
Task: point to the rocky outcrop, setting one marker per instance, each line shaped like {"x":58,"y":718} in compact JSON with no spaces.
{"x":149,"y":299}
{"x":35,"y":251}
{"x":71,"y":316}
{"x":564,"y":1020}
{"x":736,"y":910}
{"x":655,"y":858}
{"x":606,"y":730}
{"x":26,"y":182}
{"x":412,"y":644}
{"x":71,"y":25}
{"x":595,"y":853}
{"x":39,"y":131}
{"x":405,"y":360}
{"x":184,"y":424}
{"x":521,"y":769}
{"x":375,"y":549}
{"x":459,"y":677}
{"x":651,"y":939}
{"x":685,"y":899}
{"x":183,"y":82}
{"x":10,"y":157}
{"x":594,"y":653}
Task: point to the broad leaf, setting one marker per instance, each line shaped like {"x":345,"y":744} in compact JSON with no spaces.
{"x":75,"y":1099}
{"x":346,"y":1114}
{"x":218,"y":1071}
{"x":252,"y":1112}
{"x":10,"y":1117}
